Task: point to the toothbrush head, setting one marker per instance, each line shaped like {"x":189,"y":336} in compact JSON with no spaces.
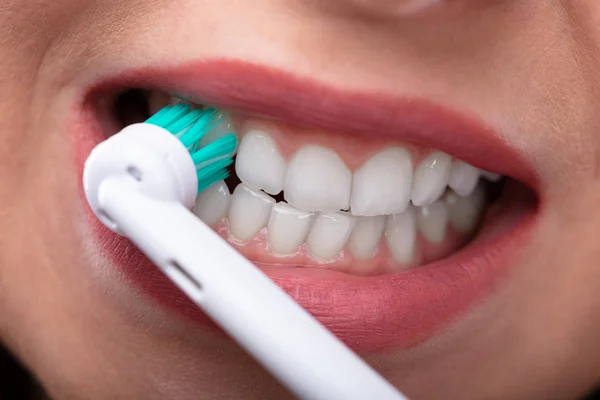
{"x":191,"y":125}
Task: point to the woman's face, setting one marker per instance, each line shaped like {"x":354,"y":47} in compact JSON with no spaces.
{"x":342,"y":104}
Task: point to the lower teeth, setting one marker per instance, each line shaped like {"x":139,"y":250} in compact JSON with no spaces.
{"x":251,"y":218}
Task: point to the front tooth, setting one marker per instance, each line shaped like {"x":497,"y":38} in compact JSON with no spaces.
{"x":401,"y":235}
{"x":465,"y":212}
{"x":366,"y":236}
{"x":249,"y":212}
{"x":259,"y":163}
{"x":463,"y":178}
{"x":329,"y":235}
{"x":433,"y":221}
{"x":288,"y":228}
{"x":317,"y":180}
{"x":223,"y":127}
{"x":431,"y":178}
{"x":213,"y":203}
{"x":382,"y":185}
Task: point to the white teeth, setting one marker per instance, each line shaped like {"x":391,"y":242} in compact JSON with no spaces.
{"x":329,"y":235}
{"x":288,"y":228}
{"x":213,"y":203}
{"x":222,"y":128}
{"x":317,"y":180}
{"x":431,"y":178}
{"x":317,"y":184}
{"x":463,"y":178}
{"x":259,"y":164}
{"x":365,"y":237}
{"x":490,"y":176}
{"x":382,"y":185}
{"x":465,"y":212}
{"x":249,"y":212}
{"x":401,"y":235}
{"x":433,"y":221}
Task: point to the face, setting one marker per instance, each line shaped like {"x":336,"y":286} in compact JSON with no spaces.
{"x":384,"y":123}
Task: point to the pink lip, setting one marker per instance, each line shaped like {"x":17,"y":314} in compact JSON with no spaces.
{"x":367,"y":313}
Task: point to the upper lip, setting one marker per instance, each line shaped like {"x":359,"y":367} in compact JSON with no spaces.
{"x":276,"y":94}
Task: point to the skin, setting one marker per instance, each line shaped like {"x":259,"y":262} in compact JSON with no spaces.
{"x":528,"y":68}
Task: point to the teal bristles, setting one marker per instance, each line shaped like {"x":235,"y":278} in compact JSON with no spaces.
{"x":190,"y":125}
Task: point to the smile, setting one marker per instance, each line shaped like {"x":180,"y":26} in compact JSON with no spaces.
{"x":386,"y":218}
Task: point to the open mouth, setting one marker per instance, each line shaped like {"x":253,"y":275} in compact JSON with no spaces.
{"x":393,"y":226}
{"x":319,"y":200}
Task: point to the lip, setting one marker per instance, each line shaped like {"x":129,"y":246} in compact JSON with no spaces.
{"x":367,"y":313}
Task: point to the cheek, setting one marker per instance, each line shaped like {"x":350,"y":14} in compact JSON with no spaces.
{"x":45,"y":186}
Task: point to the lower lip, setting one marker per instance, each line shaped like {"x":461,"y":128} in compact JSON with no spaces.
{"x":369,"y":314}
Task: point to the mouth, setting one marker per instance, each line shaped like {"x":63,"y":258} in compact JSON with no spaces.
{"x":387,"y":218}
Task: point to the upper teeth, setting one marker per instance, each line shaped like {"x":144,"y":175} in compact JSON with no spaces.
{"x":463,"y":178}
{"x":431,"y":178}
{"x":259,"y":164}
{"x":317,"y":179}
{"x":382,"y":185}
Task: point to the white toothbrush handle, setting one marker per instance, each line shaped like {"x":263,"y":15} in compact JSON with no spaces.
{"x":137,"y":183}
{"x":279,"y":333}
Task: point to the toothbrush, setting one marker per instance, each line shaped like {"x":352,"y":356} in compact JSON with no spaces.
{"x":142,"y":182}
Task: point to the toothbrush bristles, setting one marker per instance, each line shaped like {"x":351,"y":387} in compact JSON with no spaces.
{"x":167,"y":115}
{"x":223,"y":147}
{"x":190,"y":126}
{"x":213,"y":172}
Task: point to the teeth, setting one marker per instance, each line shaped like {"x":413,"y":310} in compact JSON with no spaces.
{"x":329,"y":235}
{"x":463,"y":178}
{"x":431,"y":178}
{"x":490,"y":176}
{"x":213,"y":203}
{"x":318,"y":180}
{"x":465,"y":212}
{"x":224,"y":127}
{"x":317,"y":184}
{"x":259,"y":164}
{"x":433,"y":221}
{"x":288,"y":228}
{"x":366,"y":236}
{"x":401,"y":235}
{"x":249,"y":212}
{"x":382,"y":185}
